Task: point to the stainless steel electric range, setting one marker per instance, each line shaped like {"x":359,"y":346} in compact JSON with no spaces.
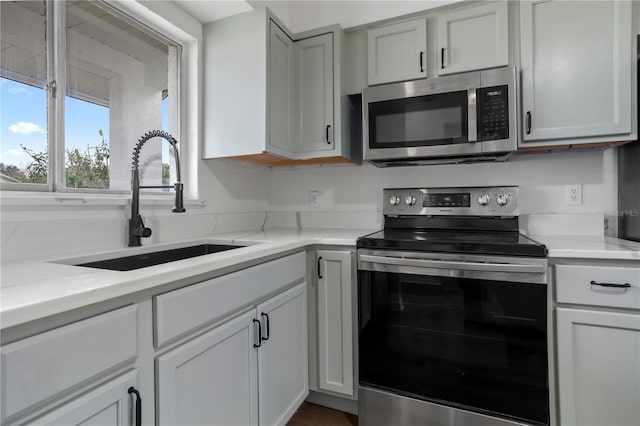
{"x":453,"y":312}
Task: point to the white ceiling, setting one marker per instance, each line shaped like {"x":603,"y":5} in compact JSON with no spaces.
{"x":302,"y":15}
{"x":212,"y":10}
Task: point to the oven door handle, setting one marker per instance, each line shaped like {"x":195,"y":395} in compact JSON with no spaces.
{"x":450,"y":264}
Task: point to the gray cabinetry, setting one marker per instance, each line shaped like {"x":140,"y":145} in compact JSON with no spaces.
{"x":598,"y":344}
{"x":473,"y":38}
{"x":397,"y":52}
{"x":57,"y":367}
{"x":577,"y":70}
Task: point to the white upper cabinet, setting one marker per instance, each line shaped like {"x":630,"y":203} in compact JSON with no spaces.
{"x":577,"y":70}
{"x":271,"y":97}
{"x":397,"y":52}
{"x":315,"y":70}
{"x":473,"y":38}
{"x":281,"y":88}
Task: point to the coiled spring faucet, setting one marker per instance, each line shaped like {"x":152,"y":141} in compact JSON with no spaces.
{"x":137,"y":230}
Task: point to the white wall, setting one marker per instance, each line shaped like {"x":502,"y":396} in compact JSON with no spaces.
{"x":541,"y":178}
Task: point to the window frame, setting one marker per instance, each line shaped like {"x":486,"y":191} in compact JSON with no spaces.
{"x":187,"y":41}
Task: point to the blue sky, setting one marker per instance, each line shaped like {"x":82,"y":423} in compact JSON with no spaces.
{"x":23,"y":120}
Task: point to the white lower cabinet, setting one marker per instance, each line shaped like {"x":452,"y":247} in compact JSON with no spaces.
{"x":211,"y":379}
{"x":598,"y":367}
{"x":335,"y":323}
{"x":598,"y":343}
{"x":110,"y":404}
{"x":250,"y":370}
{"x":65,"y":372}
{"x":283,"y":368}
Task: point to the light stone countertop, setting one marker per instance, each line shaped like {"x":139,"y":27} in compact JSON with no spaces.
{"x":37,"y":288}
{"x":589,"y":247}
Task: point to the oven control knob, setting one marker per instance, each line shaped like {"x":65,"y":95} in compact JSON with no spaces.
{"x":502,"y":200}
{"x":483,"y":199}
{"x":394,"y":200}
{"x":410,"y":200}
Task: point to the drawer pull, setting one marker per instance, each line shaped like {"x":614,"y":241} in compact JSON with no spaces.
{"x":625,"y":285}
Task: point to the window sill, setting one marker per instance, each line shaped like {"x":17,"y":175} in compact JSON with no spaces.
{"x":17,"y":199}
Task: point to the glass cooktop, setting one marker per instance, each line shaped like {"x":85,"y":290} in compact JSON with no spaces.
{"x":472,"y":242}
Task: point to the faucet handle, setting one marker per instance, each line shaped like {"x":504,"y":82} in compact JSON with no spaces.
{"x":140,"y":229}
{"x":144,"y":232}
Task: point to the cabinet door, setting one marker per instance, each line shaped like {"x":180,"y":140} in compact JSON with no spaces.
{"x":576,"y":69}
{"x":397,"y":52}
{"x":281,"y":88}
{"x":211,"y":379}
{"x":473,"y":38}
{"x":108,"y":404}
{"x":335,"y":339}
{"x":598,"y":367}
{"x":315,"y":70}
{"x":282,"y":358}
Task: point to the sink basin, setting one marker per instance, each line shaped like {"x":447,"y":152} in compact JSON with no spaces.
{"x":144,"y":260}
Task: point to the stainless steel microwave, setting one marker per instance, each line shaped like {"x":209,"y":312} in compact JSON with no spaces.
{"x":466,"y":117}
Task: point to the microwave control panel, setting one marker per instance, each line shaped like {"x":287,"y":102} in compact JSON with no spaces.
{"x":493,"y":113}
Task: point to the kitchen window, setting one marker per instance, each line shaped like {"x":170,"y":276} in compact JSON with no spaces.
{"x":81,"y":82}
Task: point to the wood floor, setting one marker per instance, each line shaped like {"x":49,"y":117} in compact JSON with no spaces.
{"x":315,"y":415}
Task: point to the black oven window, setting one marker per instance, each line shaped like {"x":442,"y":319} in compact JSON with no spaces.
{"x":419,"y":121}
{"x":463,"y":342}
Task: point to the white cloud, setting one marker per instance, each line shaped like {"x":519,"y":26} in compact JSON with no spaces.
{"x":15,"y":90}
{"x":25,"y":128}
{"x":15,"y":156}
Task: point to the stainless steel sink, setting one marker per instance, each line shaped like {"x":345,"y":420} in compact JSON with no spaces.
{"x":144,"y":260}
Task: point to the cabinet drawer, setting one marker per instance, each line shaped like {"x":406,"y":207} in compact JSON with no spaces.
{"x":189,"y":308}
{"x":43,"y":366}
{"x":573,"y":285}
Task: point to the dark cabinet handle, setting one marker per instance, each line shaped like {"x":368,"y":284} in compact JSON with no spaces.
{"x":133,"y":390}
{"x":266,"y":316}
{"x":327,"y":133}
{"x":259,"y":333}
{"x":319,"y":274}
{"x":625,"y":285}
{"x":528,"y":122}
{"x":421,"y":62}
{"x":442,"y":58}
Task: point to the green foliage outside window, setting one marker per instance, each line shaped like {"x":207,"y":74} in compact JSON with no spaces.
{"x":84,"y":169}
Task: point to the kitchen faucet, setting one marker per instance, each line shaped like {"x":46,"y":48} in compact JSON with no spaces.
{"x":137,"y":230}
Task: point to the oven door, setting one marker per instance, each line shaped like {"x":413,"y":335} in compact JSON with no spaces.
{"x":468,"y":332}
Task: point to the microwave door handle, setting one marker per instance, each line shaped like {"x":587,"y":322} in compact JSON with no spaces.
{"x":472,"y":115}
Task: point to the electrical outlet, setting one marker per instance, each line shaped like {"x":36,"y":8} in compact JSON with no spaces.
{"x":573,"y":195}
{"x":314,"y":199}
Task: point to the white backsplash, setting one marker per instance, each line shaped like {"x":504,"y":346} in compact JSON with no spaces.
{"x":241,"y":198}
